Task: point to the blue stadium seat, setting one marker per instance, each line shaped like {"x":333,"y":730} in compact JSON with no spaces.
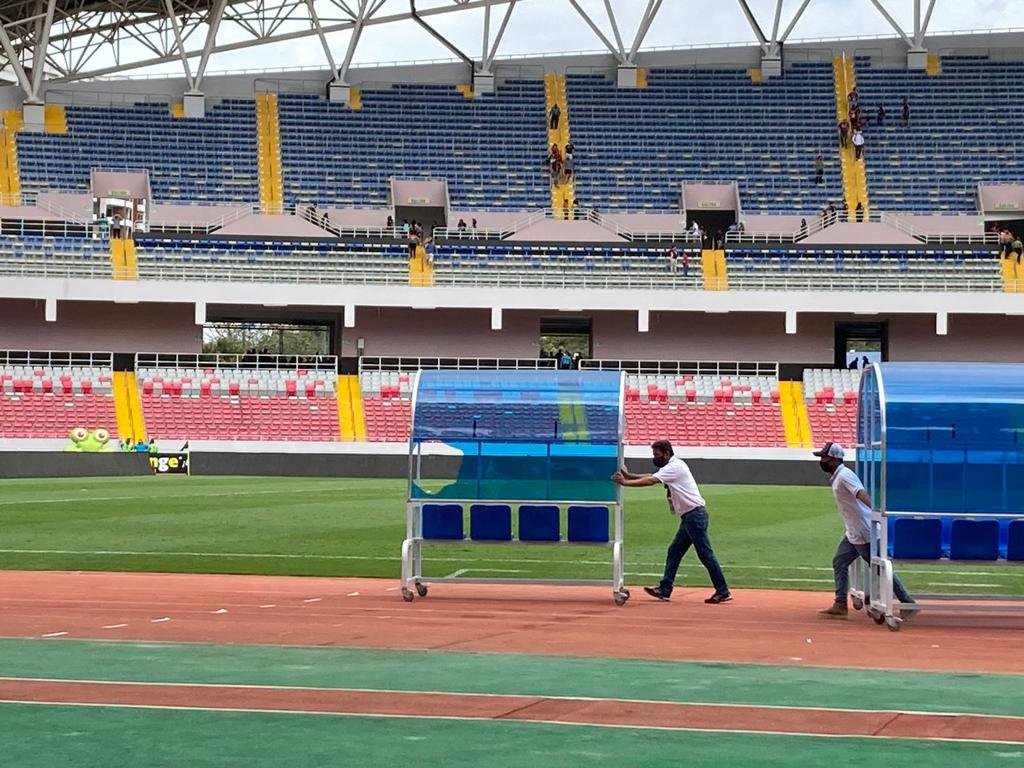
{"x":917,"y":538}
{"x":1015,"y":540}
{"x":490,"y":522}
{"x":588,"y":523}
{"x":538,"y":522}
{"x":974,"y":540}
{"x":442,"y":521}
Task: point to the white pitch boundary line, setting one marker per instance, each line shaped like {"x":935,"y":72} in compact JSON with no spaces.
{"x":200,"y":495}
{"x":940,"y":570}
{"x":522,"y":696}
{"x":564,"y":723}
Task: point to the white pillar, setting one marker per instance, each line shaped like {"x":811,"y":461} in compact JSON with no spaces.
{"x":941,"y":323}
{"x":496,"y":318}
{"x":790,"y":321}
{"x":350,"y":316}
{"x":643,"y":321}
{"x":50,"y":311}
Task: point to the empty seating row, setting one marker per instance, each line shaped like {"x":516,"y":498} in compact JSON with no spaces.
{"x":48,"y":401}
{"x":208,"y":160}
{"x":585,"y":524}
{"x":955,"y":537}
{"x":831,"y":397}
{"x":491,"y":149}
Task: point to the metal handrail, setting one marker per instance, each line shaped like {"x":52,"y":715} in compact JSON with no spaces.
{"x":224,"y":361}
{"x":400,"y":364}
{"x":51,"y":358}
{"x":672,"y":368}
{"x":895,"y":220}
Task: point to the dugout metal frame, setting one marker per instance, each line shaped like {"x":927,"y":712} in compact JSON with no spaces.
{"x":871,"y":584}
{"x":415,"y":583}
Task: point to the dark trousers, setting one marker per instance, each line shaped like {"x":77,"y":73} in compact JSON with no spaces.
{"x":693,"y":529}
{"x":846,"y":555}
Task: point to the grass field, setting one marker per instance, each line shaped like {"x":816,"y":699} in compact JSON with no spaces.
{"x":765,"y":536}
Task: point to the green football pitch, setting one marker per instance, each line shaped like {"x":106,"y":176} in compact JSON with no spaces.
{"x":765,"y":536}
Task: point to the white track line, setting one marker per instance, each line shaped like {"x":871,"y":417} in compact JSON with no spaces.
{"x":54,"y":634}
{"x":564,"y":723}
{"x":517,"y":696}
{"x":200,"y":495}
{"x":938,"y":570}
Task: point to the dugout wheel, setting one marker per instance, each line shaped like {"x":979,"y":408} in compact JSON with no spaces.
{"x":421,"y":589}
{"x":857,"y":603}
{"x":876,"y":615}
{"x":893,"y":623}
{"x":621,"y":596}
{"x":407,"y":594}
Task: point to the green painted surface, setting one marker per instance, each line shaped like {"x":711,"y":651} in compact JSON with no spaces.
{"x":765,"y":536}
{"x":46,"y":736}
{"x":507,"y":674}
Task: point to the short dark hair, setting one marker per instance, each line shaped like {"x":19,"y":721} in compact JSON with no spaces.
{"x":662,"y":445}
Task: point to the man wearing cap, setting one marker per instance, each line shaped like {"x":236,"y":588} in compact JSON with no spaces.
{"x":686,"y":503}
{"x":854,"y":505}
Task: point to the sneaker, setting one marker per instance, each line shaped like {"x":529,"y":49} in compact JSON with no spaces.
{"x":837,"y":611}
{"x":657,"y":592}
{"x":909,"y":610}
{"x":719,"y":597}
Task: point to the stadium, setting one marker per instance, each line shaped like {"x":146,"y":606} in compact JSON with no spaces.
{"x":324,"y":380}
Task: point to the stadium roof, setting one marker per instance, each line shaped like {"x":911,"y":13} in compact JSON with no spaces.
{"x":85,"y":39}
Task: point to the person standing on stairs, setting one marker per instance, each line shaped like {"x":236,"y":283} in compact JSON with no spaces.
{"x":906,"y":113}
{"x":554,"y":117}
{"x":819,"y":170}
{"x":858,"y":144}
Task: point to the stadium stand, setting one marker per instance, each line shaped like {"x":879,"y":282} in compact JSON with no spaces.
{"x":491,"y":149}
{"x":831,"y":397}
{"x":47,"y":401}
{"x":387,"y":405}
{"x":212,"y":160}
{"x":54,"y":256}
{"x":271,"y":260}
{"x":537,"y":263}
{"x":944,"y":269}
{"x":239,"y":404}
{"x":703,"y":410}
{"x":635,"y":147}
{"x":959,"y":132}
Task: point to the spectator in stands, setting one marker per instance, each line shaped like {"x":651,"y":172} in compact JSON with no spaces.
{"x":568,"y":166}
{"x":858,"y":144}
{"x":414,"y":243}
{"x":326,"y":220}
{"x":462,"y":225}
{"x":685,"y":258}
{"x":819,"y":170}
{"x":880,"y":117}
{"x":390,"y":223}
{"x":430,"y":248}
{"x":115,"y":229}
{"x":570,"y":148}
{"x":1006,"y":243}
{"x":103,"y":227}
{"x":853,"y":99}
{"x":905,"y":121}
{"x":405,"y":226}
{"x":141,"y":447}
{"x":153,"y":449}
{"x":555,"y":161}
{"x":719,"y":240}
{"x":1018,"y":248}
{"x":864,"y":362}
{"x":844,"y":133}
{"x":858,"y":212}
{"x":554,"y":115}
{"x":673,"y":258}
{"x":686,"y":502}
{"x":564,"y":360}
{"x":474,"y":224}
{"x":854,"y":506}
{"x":803,"y":228}
{"x":830,"y":213}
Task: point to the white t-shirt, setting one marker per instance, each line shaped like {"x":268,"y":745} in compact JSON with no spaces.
{"x":682,"y":488}
{"x":855,"y":513}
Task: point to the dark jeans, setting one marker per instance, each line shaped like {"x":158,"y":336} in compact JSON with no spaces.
{"x":846,"y":554}
{"x":693,"y":529}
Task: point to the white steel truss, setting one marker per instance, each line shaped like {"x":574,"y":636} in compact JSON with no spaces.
{"x":45,"y":41}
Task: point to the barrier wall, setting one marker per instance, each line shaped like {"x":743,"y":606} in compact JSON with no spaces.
{"x":45,"y":464}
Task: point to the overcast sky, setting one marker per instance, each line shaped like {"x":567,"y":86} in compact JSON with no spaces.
{"x":548,"y":26}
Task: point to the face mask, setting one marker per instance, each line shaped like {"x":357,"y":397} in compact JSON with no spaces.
{"x":826,"y":466}
{"x":660,"y":461}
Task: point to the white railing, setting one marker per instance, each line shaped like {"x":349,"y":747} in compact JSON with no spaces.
{"x":675,"y":368}
{"x":205,"y":227}
{"x":220,"y":361}
{"x":75,"y":217}
{"x":323,"y":221}
{"x":401,"y":364}
{"x":526,"y":279}
{"x":52,"y":359}
{"x":683,"y":235}
{"x":899,"y":222}
{"x":815,"y":223}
